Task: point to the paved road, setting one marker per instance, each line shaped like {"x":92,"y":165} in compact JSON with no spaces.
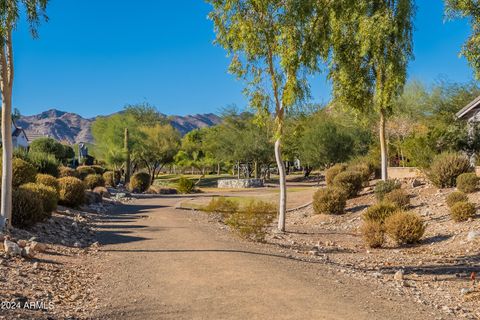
{"x":163,"y":264}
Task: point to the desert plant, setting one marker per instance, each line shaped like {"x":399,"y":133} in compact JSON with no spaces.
{"x":404,"y":227}
{"x":47,"y":180}
{"x":252,"y":221}
{"x":27,"y":208}
{"x":185,"y":185}
{"x":83,"y":171}
{"x":102,"y":191}
{"x":48,"y":196}
{"x":384,"y":187}
{"x":446,"y":167}
{"x":364,"y":169}
{"x":222,"y":206}
{"x":23,"y":172}
{"x":456,"y":196}
{"x":373,"y":233}
{"x":399,"y":197}
{"x":94,"y":180}
{"x":98,"y":169}
{"x":44,"y":163}
{"x":67,"y":172}
{"x":329,"y":201}
{"x":72,"y":191}
{"x":380,"y":211}
{"x":332,"y":172}
{"x":111,"y":178}
{"x":467,"y":182}
{"x":462,"y":211}
{"x":139,"y":182}
{"x":349,"y":181}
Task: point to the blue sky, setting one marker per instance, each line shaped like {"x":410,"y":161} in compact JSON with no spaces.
{"x":95,"y":56}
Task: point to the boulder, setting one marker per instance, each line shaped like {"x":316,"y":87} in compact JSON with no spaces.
{"x":92,"y":197}
{"x":102,"y":191}
{"x":22,"y":243}
{"x":12,"y":248}
{"x":28,"y":252}
{"x":398,"y":275}
{"x":472,"y":235}
{"x":38,"y":247}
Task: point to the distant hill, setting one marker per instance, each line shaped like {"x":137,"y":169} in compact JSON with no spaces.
{"x":71,"y":127}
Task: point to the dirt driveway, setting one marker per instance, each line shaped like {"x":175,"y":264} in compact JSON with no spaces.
{"x":162,"y":263}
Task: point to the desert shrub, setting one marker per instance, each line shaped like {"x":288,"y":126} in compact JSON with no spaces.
{"x":399,"y":198}
{"x":467,"y":182}
{"x":48,"y":146}
{"x":72,"y":191}
{"x":156,"y":189}
{"x":373,"y":233}
{"x":462,"y":211}
{"x":98,"y":169}
{"x":456,"y":196}
{"x":102,"y":191}
{"x":332,"y":172}
{"x":446,"y":167}
{"x":349,"y":181}
{"x":384,"y":187}
{"x":329,"y":201}
{"x":94,"y":180}
{"x":404,"y":227}
{"x":185,"y":185}
{"x":84,"y":171}
{"x":252,"y":221}
{"x":364,"y":169}
{"x":139,"y":182}
{"x":67,"y":172}
{"x":48,"y":196}
{"x":23,"y":172}
{"x":47,"y":180}
{"x":379,"y":212}
{"x":109,"y":177}
{"x":27,"y":208}
{"x":221,"y":205}
{"x":44,"y":163}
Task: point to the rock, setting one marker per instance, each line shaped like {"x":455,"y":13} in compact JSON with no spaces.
{"x":77,"y":244}
{"x":398,"y":275}
{"x":32,"y":239}
{"x":28,"y":252}
{"x":465,"y":291}
{"x":38,"y":247}
{"x":12,"y":248}
{"x":472,"y":235}
{"x":22,"y":243}
{"x":102,"y":191}
{"x":75,"y":225}
{"x":92,"y":197}
{"x":35,"y":265}
{"x":2,"y":237}
{"x":416,"y":183}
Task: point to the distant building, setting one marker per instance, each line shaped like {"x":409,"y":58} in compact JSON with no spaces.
{"x":19,"y":137}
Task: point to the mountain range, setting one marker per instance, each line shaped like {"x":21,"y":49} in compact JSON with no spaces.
{"x":73,"y":128}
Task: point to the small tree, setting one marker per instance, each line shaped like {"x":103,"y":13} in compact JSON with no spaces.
{"x":9,"y":15}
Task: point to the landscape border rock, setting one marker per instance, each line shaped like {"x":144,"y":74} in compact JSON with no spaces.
{"x":239,"y":183}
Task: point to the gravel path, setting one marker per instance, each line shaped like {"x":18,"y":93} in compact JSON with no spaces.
{"x":162,"y":263}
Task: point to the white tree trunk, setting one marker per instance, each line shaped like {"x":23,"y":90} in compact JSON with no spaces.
{"x":7,"y":150}
{"x":383,"y":147}
{"x":282,"y":208}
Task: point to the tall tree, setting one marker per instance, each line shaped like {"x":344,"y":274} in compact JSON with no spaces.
{"x":371,"y":47}
{"x":266,"y":41}
{"x":9,"y":16}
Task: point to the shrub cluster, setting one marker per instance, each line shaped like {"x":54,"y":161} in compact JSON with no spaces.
{"x":23,"y":172}
{"x":111,"y":178}
{"x":252,"y":221}
{"x":351,"y":182}
{"x":98,"y":169}
{"x":467,"y":182}
{"x":222,"y":205}
{"x":379,"y":212}
{"x":446,"y":167}
{"x":44,"y":163}
{"x":27,"y":208}
{"x":83,"y":171}
{"x":384,"y":187}
{"x":456,"y":196}
{"x":373,"y":233}
{"x":139,"y":182}
{"x":48,"y":196}
{"x":329,"y":200}
{"x":333,"y":171}
{"x":404,"y":227}
{"x":399,"y":197}
{"x":72,"y":191}
{"x":94,"y":180}
{"x":185,"y":185}
{"x":462,"y":211}
{"x":67,"y":172}
{"x":47,"y":180}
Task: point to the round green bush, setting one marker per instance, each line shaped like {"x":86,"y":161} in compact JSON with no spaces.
{"x":405,"y":227}
{"x":456,"y":196}
{"x":67,"y":172}
{"x":373,"y":234}
{"x":329,"y":201}
{"x":98,"y":169}
{"x":27,"y":208}
{"x":23,"y":172}
{"x":94,"y":180}
{"x":446,"y":167}
{"x":112,"y":178}
{"x":379,"y":212}
{"x":349,"y":181}
{"x":462,"y":211}
{"x":48,"y":196}
{"x":84,"y":171}
{"x":44,"y":162}
{"x":185,"y":185}
{"x":384,"y":187}
{"x":139,"y":182}
{"x":72,"y":191}
{"x":399,"y":198}
{"x":333,"y":171}
{"x":47,"y":180}
{"x":467,"y":182}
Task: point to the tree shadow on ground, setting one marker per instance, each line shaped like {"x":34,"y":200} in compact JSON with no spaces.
{"x":356,"y":208}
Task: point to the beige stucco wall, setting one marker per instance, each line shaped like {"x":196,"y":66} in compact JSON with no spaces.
{"x":403,"y":172}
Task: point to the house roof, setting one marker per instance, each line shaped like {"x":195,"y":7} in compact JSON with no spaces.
{"x":467,"y":111}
